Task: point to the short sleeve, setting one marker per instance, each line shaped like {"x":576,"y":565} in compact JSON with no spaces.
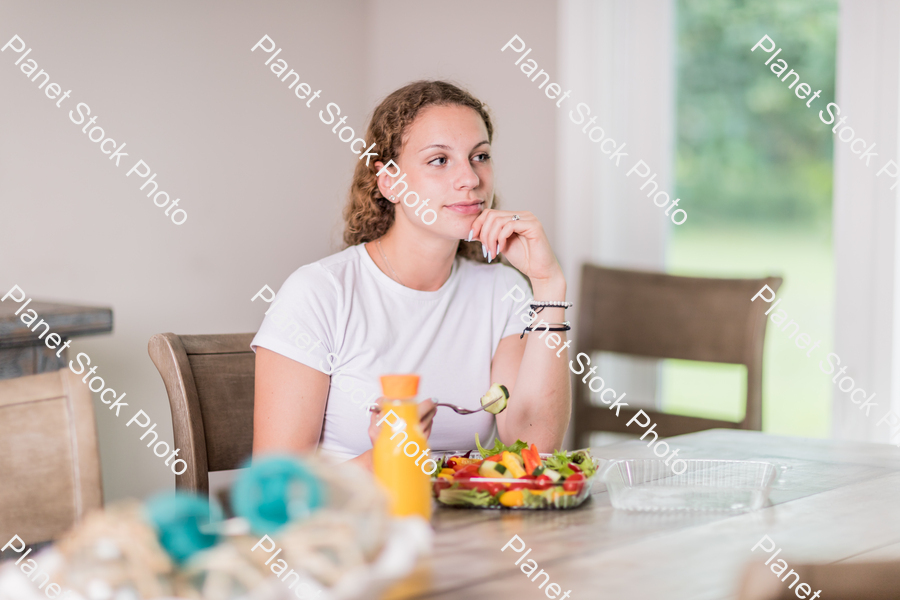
{"x":514,"y":292}
{"x":300,"y":321}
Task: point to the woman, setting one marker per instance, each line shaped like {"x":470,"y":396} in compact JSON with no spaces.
{"x":407,"y":296}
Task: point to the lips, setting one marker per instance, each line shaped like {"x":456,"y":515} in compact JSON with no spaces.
{"x":466,"y":208}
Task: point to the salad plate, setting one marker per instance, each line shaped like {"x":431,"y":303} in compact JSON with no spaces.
{"x":514,"y":477}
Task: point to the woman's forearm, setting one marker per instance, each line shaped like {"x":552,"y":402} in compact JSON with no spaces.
{"x":543,"y":398}
{"x":364,"y":460}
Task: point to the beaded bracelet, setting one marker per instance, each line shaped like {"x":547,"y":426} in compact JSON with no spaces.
{"x":542,"y":304}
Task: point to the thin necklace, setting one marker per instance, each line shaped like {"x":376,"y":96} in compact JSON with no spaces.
{"x":388,"y":263}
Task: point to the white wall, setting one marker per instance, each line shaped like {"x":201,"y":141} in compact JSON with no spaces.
{"x":261,"y":178}
{"x":461,"y":43}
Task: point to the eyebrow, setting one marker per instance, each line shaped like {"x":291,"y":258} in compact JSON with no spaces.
{"x":444,"y":147}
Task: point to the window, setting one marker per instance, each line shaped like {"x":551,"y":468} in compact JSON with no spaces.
{"x":754,"y":164}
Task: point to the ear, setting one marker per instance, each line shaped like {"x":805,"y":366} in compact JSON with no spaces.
{"x":384,"y":183}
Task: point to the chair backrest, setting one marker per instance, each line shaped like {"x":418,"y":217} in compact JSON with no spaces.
{"x":666,"y":316}
{"x":843,"y":581}
{"x":49,"y":461}
{"x":209,"y":380}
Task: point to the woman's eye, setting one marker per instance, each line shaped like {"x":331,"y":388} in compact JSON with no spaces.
{"x":437,"y":159}
{"x":483,"y":157}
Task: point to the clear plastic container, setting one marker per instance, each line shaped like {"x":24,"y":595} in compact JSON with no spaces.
{"x":706,"y":485}
{"x":553,"y":497}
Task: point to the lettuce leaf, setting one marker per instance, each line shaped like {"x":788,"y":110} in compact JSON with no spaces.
{"x":456,"y":497}
{"x":535,"y":499}
{"x":559,"y":462}
{"x":584,"y":461}
{"x":499,"y":447}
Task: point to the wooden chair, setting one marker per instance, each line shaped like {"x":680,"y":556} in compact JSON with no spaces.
{"x":666,"y":316}
{"x":841,"y":581}
{"x":209,"y":379}
{"x":49,"y":462}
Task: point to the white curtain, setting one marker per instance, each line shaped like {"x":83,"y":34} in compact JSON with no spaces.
{"x":618,"y":58}
{"x":867,"y":269}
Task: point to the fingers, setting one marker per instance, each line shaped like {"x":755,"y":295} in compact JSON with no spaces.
{"x":486,"y":222}
{"x":427,"y":417}
{"x":428,"y":421}
{"x":493,"y":229}
{"x":508,"y":229}
{"x":500,"y":225}
{"x":373,"y":429}
{"x":427,"y":410}
{"x":425,"y":407}
{"x":479,"y":222}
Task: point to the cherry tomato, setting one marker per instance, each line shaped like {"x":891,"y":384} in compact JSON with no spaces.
{"x":441,"y":484}
{"x":464,"y":480}
{"x":575,"y":467}
{"x":486,"y":486}
{"x":574,"y":483}
{"x":543,"y":482}
{"x":526,"y":482}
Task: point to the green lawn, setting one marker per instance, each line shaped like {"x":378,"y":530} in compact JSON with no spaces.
{"x":796,"y":394}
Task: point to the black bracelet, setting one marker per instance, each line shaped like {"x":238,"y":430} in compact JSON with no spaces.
{"x":527,"y":329}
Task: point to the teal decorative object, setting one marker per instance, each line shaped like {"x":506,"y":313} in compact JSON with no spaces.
{"x":182,"y":523}
{"x":275,"y":490}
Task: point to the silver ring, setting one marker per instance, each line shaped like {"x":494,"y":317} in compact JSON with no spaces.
{"x":515,"y":218}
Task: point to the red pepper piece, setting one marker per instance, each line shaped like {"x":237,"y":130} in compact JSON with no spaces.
{"x":466,"y":472}
{"x":531,"y":459}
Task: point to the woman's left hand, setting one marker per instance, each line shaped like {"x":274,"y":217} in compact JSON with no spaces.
{"x":523,"y":241}
{"x":426,"y":408}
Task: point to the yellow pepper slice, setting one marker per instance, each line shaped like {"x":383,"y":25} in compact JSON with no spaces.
{"x":512,"y":498}
{"x":509,"y":461}
{"x":557,"y":494}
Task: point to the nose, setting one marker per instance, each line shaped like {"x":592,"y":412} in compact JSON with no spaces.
{"x":466,"y":177}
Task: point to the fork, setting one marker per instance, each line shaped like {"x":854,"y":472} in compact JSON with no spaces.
{"x":458,"y":409}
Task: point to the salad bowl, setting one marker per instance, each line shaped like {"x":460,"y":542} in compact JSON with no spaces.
{"x":514,"y":477}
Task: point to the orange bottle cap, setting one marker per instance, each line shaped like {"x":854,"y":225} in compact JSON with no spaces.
{"x":400,"y":386}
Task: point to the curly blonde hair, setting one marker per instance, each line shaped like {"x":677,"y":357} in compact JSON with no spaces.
{"x":368,"y":214}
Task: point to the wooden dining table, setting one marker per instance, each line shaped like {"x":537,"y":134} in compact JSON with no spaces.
{"x":836,"y":502}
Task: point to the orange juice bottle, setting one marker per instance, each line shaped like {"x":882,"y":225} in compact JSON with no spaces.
{"x":395,"y":460}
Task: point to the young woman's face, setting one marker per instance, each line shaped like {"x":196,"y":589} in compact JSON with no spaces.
{"x":446,"y":158}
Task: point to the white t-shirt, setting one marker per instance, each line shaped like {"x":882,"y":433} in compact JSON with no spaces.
{"x":343,"y":316}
